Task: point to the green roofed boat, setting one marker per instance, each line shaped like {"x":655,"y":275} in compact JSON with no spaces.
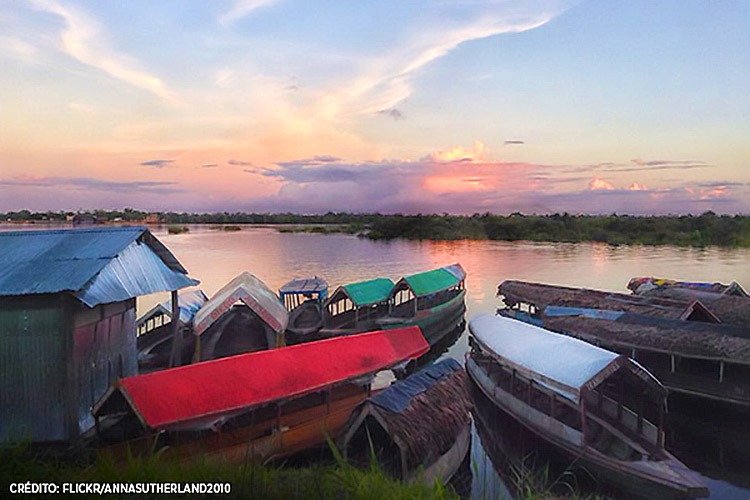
{"x":432,"y":300}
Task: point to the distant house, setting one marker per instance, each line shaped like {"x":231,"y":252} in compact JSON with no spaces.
{"x":68,"y":322}
{"x":84,"y":220}
{"x":152,"y":219}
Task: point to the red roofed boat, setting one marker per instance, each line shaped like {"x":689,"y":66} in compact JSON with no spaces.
{"x":259,"y":405}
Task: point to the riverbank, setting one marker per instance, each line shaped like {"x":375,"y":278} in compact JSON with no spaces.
{"x":704,"y":230}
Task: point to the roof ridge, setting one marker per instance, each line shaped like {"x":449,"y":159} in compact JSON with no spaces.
{"x":77,"y":230}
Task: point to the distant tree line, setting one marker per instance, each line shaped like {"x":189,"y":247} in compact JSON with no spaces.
{"x":687,"y":230}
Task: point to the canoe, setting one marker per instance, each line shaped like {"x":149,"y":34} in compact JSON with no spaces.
{"x":592,"y":404}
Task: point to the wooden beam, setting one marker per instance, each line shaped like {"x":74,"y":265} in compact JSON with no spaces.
{"x":176,"y":355}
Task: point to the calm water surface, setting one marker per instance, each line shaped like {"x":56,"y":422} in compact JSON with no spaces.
{"x":214,"y":257}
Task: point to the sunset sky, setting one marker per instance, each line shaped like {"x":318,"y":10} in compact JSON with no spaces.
{"x":627,"y":106}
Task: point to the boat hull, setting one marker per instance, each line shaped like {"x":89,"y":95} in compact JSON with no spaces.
{"x":665,"y":479}
{"x":435,"y":322}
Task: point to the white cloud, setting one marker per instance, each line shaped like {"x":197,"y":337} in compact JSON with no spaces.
{"x":241,"y":8}
{"x":82,"y":39}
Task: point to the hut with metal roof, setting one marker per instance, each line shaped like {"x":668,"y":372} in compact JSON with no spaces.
{"x":356,"y":303}
{"x":423,"y":420}
{"x":68,"y":321}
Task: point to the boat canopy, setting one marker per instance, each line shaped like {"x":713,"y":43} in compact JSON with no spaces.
{"x":253,"y":293}
{"x":366,"y":293}
{"x":228,"y":386}
{"x":434,"y":281}
{"x":189,"y":303}
{"x":561,"y":363}
{"x":399,"y":395}
{"x":306,"y":286}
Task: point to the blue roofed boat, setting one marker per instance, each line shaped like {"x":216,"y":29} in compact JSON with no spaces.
{"x":304,"y":299}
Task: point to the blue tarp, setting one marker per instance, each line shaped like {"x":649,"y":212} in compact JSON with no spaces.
{"x":559,"y":311}
{"x":398,"y":396}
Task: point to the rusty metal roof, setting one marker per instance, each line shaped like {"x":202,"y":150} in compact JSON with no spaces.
{"x":99,"y":265}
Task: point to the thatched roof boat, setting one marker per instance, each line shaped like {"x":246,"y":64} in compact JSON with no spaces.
{"x":425,"y":418}
{"x":538,"y":296}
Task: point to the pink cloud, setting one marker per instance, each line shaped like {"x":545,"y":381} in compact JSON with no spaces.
{"x":600,"y":184}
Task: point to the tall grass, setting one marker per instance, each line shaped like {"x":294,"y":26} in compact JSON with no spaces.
{"x":332,"y":481}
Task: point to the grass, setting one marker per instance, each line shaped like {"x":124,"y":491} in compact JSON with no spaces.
{"x":178,"y":229}
{"x":327,"y":481}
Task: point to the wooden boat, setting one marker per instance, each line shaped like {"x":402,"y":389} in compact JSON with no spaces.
{"x":419,"y":427}
{"x":432,"y":300}
{"x":304,"y":300}
{"x":594,"y":405}
{"x":155,"y":331}
{"x":642,"y":286}
{"x":254,"y":406}
{"x":243,"y":316}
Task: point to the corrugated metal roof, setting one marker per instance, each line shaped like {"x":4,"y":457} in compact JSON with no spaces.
{"x":369,"y":292}
{"x":253,"y":293}
{"x":304,"y":285}
{"x":189,"y":303}
{"x":127,"y":261}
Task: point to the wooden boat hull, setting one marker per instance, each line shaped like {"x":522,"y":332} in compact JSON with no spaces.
{"x":435,"y":322}
{"x":666,"y":478}
{"x":446,"y":466}
{"x":269,"y":440}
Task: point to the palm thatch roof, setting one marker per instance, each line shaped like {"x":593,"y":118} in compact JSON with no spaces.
{"x":730,"y":309}
{"x":689,"y":339}
{"x":542,"y":295}
{"x":427,"y":427}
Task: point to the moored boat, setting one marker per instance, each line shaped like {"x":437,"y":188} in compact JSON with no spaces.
{"x":419,"y":427}
{"x":260,"y":405}
{"x":599,"y":407}
{"x":304,"y":300}
{"x":433,"y":300}
{"x":156,"y":331}
{"x":243,"y":316}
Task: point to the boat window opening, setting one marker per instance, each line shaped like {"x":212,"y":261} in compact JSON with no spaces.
{"x":697,"y":367}
{"x":347,"y":390}
{"x":257,"y":416}
{"x":304,"y":403}
{"x":601,"y":439}
{"x":736,"y":373}
{"x":656,"y":361}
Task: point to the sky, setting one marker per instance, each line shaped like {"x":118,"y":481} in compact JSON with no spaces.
{"x":536,"y":106}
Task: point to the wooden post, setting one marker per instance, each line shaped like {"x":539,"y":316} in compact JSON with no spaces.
{"x":673,"y":363}
{"x":641,"y":409}
{"x":583,"y":418}
{"x":620,"y":397}
{"x":174,"y":358}
{"x":660,"y":432}
{"x":721,"y":371}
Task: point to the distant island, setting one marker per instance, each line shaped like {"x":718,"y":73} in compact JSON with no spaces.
{"x":707,"y":229}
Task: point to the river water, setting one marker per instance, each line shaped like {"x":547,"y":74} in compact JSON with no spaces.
{"x":214,"y":257}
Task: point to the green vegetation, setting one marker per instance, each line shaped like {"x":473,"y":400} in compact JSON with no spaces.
{"x":687,"y":230}
{"x":178,"y":229}
{"x":334,"y":481}
{"x":704,"y":230}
